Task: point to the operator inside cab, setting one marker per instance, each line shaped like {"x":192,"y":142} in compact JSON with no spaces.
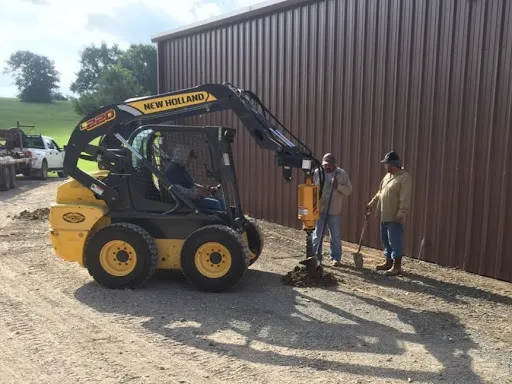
{"x":177,"y":173}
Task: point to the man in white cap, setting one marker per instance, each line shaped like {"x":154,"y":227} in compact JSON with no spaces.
{"x":394,"y":198}
{"x":338,"y":180}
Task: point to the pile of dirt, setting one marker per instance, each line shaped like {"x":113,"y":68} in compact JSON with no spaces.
{"x":300,"y":277}
{"x":40,"y":214}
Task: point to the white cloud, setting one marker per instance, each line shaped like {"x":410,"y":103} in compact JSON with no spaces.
{"x":60,"y":29}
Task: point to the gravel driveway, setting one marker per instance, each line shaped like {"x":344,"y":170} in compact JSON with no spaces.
{"x":58,"y":326}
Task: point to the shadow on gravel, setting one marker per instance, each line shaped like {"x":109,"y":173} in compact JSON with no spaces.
{"x":263,"y":321}
{"x":415,"y":283}
{"x":24,"y":184}
{"x":441,"y":334}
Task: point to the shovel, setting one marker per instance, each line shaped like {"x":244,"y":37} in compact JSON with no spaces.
{"x":358,"y":257}
{"x":313,"y":262}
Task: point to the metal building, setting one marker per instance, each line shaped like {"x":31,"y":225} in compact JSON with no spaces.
{"x":430,"y":79}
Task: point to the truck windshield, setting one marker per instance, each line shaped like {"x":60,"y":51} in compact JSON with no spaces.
{"x":33,"y":142}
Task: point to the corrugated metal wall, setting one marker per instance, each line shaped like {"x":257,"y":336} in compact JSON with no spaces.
{"x":430,"y":79}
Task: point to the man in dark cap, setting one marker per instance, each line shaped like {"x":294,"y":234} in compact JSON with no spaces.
{"x":394,"y":198}
{"x":337,"y":180}
{"x":177,"y":173}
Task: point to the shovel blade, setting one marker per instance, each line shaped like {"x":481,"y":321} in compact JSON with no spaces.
{"x":311,"y":263}
{"x":358,"y":260}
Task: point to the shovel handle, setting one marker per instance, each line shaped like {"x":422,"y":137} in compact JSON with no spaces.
{"x":363,"y":230}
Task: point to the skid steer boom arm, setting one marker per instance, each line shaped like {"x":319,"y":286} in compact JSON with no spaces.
{"x":123,"y":118}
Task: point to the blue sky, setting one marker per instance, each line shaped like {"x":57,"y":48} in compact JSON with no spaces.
{"x":60,"y":29}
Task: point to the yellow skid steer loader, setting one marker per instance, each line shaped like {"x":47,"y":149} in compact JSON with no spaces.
{"x":136,"y":214}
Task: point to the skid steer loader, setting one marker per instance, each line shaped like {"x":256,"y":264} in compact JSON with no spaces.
{"x":128,"y":219}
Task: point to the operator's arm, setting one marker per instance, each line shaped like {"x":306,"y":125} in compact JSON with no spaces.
{"x":344,"y":185}
{"x":405,"y":197}
{"x":191,"y":193}
{"x":203,"y":190}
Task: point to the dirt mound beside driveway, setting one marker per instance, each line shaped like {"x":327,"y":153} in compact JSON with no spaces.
{"x":40,"y":214}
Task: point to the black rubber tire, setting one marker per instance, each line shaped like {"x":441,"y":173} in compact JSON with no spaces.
{"x":229,"y":238}
{"x":139,"y":239}
{"x":42,"y":174}
{"x":12,"y":176}
{"x":61,"y":174}
{"x":4,"y":178}
{"x":255,"y":240}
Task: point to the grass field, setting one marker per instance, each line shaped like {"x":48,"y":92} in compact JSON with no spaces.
{"x":56,"y":120}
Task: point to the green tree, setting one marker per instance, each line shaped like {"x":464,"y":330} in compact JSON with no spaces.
{"x":109,"y":75}
{"x":35,"y":76}
{"x":93,"y":61}
{"x":141,"y":60}
{"x":114,"y":85}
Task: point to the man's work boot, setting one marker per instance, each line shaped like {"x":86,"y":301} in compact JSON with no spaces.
{"x":336,"y":263}
{"x":386,"y":266}
{"x":397,"y":268}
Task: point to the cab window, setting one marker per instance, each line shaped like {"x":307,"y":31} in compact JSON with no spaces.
{"x":55,"y":145}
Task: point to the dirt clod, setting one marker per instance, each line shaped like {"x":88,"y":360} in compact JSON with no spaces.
{"x":300,"y":277}
{"x":40,"y":214}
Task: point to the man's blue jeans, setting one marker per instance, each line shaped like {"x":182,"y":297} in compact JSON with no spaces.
{"x":392,"y":236}
{"x":333,"y":224}
{"x":212,"y":203}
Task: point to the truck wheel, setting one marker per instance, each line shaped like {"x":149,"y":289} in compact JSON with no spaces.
{"x":12,"y":176}
{"x":256,"y":242}
{"x":121,"y":255}
{"x":4,"y":178}
{"x":214,"y":258}
{"x":61,"y":174}
{"x":43,"y":172}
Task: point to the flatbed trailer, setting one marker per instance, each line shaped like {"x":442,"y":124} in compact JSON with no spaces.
{"x":13,"y":158}
{"x":9,"y":169}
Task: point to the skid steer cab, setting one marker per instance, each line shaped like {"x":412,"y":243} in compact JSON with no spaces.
{"x":154,"y":222}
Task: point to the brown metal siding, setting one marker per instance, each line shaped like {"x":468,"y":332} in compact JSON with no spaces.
{"x":430,"y":79}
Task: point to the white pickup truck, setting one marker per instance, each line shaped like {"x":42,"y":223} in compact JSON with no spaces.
{"x":46,"y":156}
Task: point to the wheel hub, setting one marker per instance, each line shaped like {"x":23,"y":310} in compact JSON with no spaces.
{"x":118,"y":258}
{"x":122,"y":256}
{"x":213,"y":260}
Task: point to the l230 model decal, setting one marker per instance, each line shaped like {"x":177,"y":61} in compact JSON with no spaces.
{"x":99,"y":120}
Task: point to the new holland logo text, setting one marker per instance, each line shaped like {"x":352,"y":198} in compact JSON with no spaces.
{"x":101,"y":119}
{"x":172,"y":102}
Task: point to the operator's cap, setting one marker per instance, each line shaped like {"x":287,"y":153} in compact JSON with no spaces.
{"x":328,"y":159}
{"x":192,"y":154}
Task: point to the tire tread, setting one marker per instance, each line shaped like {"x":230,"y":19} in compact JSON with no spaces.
{"x":237,"y":237}
{"x":138,"y":283}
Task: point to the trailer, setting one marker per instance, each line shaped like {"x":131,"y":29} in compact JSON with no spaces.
{"x":13,"y":158}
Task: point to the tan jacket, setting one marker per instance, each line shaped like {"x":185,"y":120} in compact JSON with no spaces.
{"x":394,"y":196}
{"x":344,"y":189}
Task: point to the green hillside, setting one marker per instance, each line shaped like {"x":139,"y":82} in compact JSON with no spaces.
{"x":56,"y":120}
